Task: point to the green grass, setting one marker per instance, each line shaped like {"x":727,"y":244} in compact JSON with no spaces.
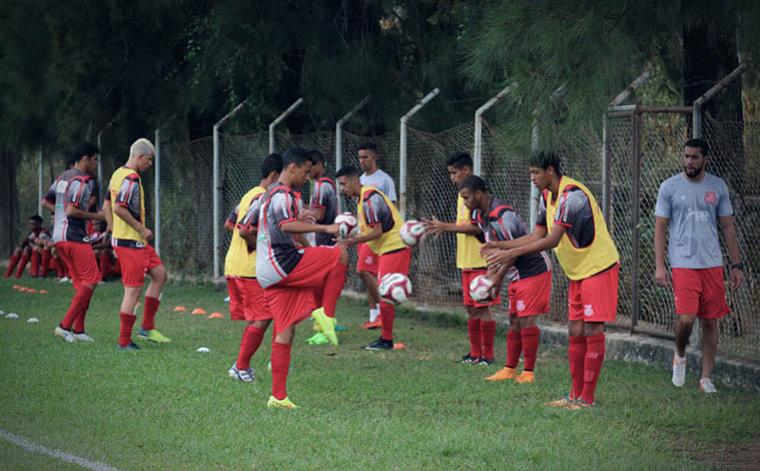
{"x":168,"y":407}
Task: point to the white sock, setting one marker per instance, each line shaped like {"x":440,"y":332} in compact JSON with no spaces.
{"x":374,"y":313}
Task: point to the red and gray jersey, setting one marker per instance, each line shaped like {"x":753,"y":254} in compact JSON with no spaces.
{"x":250,"y":220}
{"x":574,"y":213}
{"x":129,"y":196}
{"x":77,"y":189}
{"x":277,"y":252}
{"x":503,"y":223}
{"x":325,"y":195}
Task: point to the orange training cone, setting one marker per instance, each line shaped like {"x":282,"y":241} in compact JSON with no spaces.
{"x":399,"y":346}
{"x":199,"y":311}
{"x":216,"y":315}
{"x":180,"y":309}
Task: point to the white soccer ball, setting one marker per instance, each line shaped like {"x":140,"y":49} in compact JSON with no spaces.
{"x":11,"y":315}
{"x":349,"y":226}
{"x":395,"y":288}
{"x":482,"y":289}
{"x":32,"y":320}
{"x":203,"y":350}
{"x":412,"y":232}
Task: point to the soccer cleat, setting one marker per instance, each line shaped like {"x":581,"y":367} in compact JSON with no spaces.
{"x":503,"y":374}
{"x":65,"y":279}
{"x":679,"y":371}
{"x":564,"y":402}
{"x":274,"y":403}
{"x":327,"y":324}
{"x":482,"y":361}
{"x":372,"y":325}
{"x":318,"y":339}
{"x":132,"y":346}
{"x":83,"y":337}
{"x":469,"y":359}
{"x":246,"y":376}
{"x":64,"y":334}
{"x":380,"y":344}
{"x":340,"y":328}
{"x":578,"y":404}
{"x":707,"y":386}
{"x":153,"y":335}
{"x":526,"y":377}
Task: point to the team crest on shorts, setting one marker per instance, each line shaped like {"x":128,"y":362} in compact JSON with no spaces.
{"x":710,"y":197}
{"x":369,"y":260}
{"x":520,"y":305}
{"x":588,"y":310}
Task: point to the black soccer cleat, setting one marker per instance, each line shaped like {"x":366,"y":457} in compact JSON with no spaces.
{"x":380,"y":344}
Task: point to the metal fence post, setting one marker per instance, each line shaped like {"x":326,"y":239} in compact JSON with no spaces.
{"x":217,"y":191}
{"x":339,"y":138}
{"x":635,"y":209}
{"x":40,"y":182}
{"x":696,"y":115}
{"x":278,"y":120}
{"x":100,"y":163}
{"x":477,"y":154}
{"x":534,"y":193}
{"x":403,"y":149}
{"x":157,"y":194}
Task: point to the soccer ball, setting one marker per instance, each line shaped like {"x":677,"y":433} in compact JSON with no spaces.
{"x":482,"y":289}
{"x":395,"y":288}
{"x":412,"y":232}
{"x":349,"y":226}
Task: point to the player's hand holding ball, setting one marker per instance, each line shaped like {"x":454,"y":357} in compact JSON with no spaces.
{"x":482,"y":289}
{"x":412,"y":232}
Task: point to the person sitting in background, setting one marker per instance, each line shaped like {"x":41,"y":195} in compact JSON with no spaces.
{"x":23,"y":251}
{"x":101,"y":246}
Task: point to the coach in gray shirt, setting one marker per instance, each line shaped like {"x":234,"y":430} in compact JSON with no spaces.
{"x":690,"y":206}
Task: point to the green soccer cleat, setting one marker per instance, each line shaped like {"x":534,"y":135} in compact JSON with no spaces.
{"x":318,"y":339}
{"x":327,"y":324}
{"x":274,"y":403}
{"x":153,"y":335}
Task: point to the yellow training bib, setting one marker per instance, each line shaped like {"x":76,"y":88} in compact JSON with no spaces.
{"x":239,"y":261}
{"x":390,"y":240}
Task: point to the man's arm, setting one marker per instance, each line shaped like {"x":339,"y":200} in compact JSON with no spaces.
{"x":75,"y":212}
{"x":539,"y":232}
{"x":729,"y":234}
{"x":123,"y":212}
{"x":301,"y":227}
{"x":48,"y":205}
{"x":375,"y":232}
{"x":248,"y":234}
{"x":434,"y":226}
{"x":108,"y":214}
{"x":508,"y":257}
{"x":660,"y":230}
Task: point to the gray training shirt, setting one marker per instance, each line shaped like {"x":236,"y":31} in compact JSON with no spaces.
{"x":382,"y":181}
{"x":693,"y":209}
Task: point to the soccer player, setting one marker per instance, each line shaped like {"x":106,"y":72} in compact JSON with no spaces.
{"x":530,"y":278}
{"x":76,"y":201}
{"x":40,"y":253}
{"x":366,"y":260}
{"x":25,"y":249}
{"x":481,"y":327}
{"x":247,"y":300}
{"x":691,"y":205}
{"x":571,"y":222}
{"x":380,"y":224}
{"x":125,"y":209}
{"x":294,"y":277}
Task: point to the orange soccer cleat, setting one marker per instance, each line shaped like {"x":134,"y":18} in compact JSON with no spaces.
{"x":526,"y":377}
{"x":503,"y":374}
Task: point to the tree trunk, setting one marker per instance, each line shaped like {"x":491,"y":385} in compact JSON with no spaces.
{"x":9,"y":211}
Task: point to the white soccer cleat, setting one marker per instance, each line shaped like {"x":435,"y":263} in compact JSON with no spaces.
{"x":246,"y":376}
{"x":707,"y":386}
{"x":64,"y":334}
{"x":83,"y":337}
{"x":65,"y":279}
{"x":679,"y":371}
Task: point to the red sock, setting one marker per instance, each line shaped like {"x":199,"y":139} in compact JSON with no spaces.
{"x":280,"y":366}
{"x":34,"y":269}
{"x":252,"y":337}
{"x":12,"y":264}
{"x":514,"y":348}
{"x":473,"y":332}
{"x":105,"y":265}
{"x":592,"y":366}
{"x":149,"y":312}
{"x":81,"y":298}
{"x":84,"y":295}
{"x":530,"y":339}
{"x":333,"y":287}
{"x":45,"y":263}
{"x":487,"y":335}
{"x":387,"y":314}
{"x":126,"y":321}
{"x":576,"y":354}
{"x":22,"y":264}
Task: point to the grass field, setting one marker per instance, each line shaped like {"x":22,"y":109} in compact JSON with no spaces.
{"x":168,"y":407}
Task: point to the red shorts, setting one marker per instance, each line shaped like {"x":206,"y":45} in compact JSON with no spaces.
{"x":247,"y":300}
{"x":366,"y":259}
{"x":79,"y":258}
{"x":594,"y":299}
{"x":292,"y":299}
{"x":700,"y":292}
{"x":394,"y":262}
{"x":467,"y":276}
{"x":135,"y":263}
{"x":530,"y":296}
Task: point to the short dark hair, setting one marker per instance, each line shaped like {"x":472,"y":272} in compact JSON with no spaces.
{"x":36,"y":218}
{"x":459,"y":160}
{"x":273,"y":163}
{"x":347,"y":171}
{"x":474,"y":183}
{"x":316,"y":156}
{"x":371,"y":146}
{"x":81,"y":151}
{"x":701,"y":143}
{"x":295,"y":155}
{"x":545,"y":159}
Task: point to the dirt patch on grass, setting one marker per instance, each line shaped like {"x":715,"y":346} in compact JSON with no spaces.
{"x":733,"y":457}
